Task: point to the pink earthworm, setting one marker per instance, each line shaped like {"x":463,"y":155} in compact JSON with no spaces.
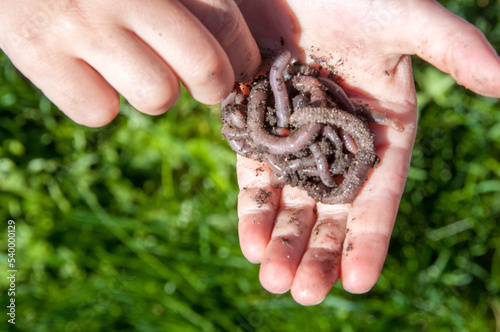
{"x":349,"y":142}
{"x":273,"y":164}
{"x":241,"y":147}
{"x":278,"y":86}
{"x":297,"y":164}
{"x":310,"y":172}
{"x":310,"y":85}
{"x":231,"y":132}
{"x":339,"y":164}
{"x":228,"y":100}
{"x":315,"y":139}
{"x":256,"y":110}
{"x":338,"y":93}
{"x":240,"y":97}
{"x":372,"y":115}
{"x":322,"y":164}
{"x":333,"y":137}
{"x":360,"y":165}
{"x":383,"y":119}
{"x":300,"y":101}
{"x":237,"y":119}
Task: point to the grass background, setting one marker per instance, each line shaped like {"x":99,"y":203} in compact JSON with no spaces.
{"x":132,"y":227}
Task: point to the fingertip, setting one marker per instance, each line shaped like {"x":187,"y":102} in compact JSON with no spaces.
{"x":96,"y":113}
{"x":254,"y":235}
{"x":356,"y":284}
{"x":474,"y":63}
{"x":362,"y":264}
{"x":305,"y":296}
{"x":454,"y":46}
{"x":274,"y":278}
{"x":159,"y":100}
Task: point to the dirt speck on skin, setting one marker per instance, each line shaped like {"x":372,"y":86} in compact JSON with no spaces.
{"x":258,"y":171}
{"x":262,"y":197}
{"x":285,"y":241}
{"x":295,"y":221}
{"x":330,"y":262}
{"x":349,"y":247}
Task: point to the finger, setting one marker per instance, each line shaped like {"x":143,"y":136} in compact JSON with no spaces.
{"x":185,"y":44}
{"x":372,"y":217}
{"x":319,"y":269}
{"x":288,"y":240}
{"x":453,"y":46}
{"x":130,"y":66}
{"x":224,"y":20}
{"x":257,"y":205}
{"x":73,"y":86}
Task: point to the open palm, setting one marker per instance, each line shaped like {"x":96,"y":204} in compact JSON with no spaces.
{"x":367,"y":44}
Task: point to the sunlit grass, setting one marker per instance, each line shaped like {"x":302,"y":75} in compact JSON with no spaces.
{"x":133,"y":227}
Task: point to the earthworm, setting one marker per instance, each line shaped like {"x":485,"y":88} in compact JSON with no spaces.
{"x":242,"y":147}
{"x":237,"y":119}
{"x":333,"y":137}
{"x":300,"y":101}
{"x":273,"y":164}
{"x":230,"y":99}
{"x":239,"y":98}
{"x":310,"y":85}
{"x":279,"y":88}
{"x":383,"y":119}
{"x":256,"y":113}
{"x":372,"y":115}
{"x":362,"y":161}
{"x":315,"y":139}
{"x":339,"y":164}
{"x":349,"y":142}
{"x":296,"y":164}
{"x":310,"y":172}
{"x":339,"y":94}
{"x":234,"y":133}
{"x":322,"y":164}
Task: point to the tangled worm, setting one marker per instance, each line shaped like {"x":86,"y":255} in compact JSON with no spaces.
{"x":306,"y":128}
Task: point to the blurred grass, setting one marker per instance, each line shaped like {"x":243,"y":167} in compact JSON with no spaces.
{"x":132,"y":227}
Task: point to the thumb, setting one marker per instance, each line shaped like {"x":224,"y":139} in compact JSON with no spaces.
{"x":454,"y":46}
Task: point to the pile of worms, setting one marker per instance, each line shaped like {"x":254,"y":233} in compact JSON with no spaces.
{"x":306,"y":128}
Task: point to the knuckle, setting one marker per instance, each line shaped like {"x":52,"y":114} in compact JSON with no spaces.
{"x":225,"y":27}
{"x":223,"y":19}
{"x":46,"y":27}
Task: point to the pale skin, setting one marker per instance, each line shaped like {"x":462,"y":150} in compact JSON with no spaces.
{"x":306,"y":247}
{"x":82,"y":54}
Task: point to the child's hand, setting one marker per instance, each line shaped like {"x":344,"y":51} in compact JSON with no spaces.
{"x":81,"y":54}
{"x":367,"y":43}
